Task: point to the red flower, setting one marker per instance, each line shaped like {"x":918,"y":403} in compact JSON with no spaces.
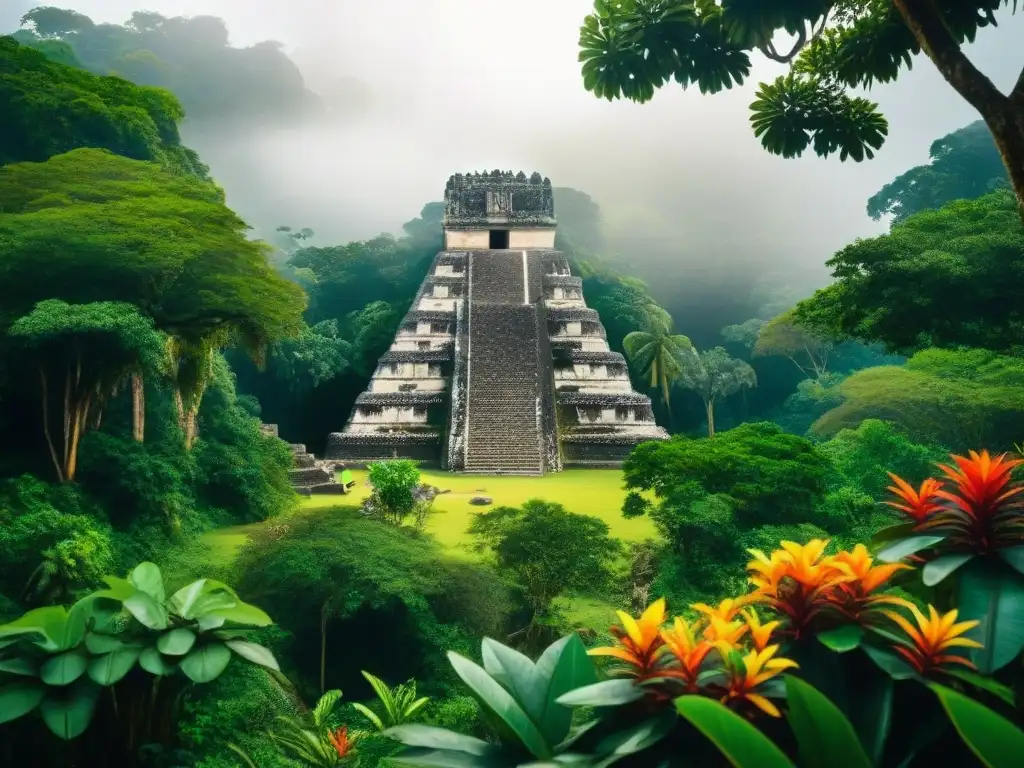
{"x":341,"y":742}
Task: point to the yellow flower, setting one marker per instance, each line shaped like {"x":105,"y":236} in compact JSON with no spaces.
{"x":852,"y":594}
{"x":933,"y":636}
{"x":760,"y":634}
{"x":638,"y":641}
{"x":687,"y":650}
{"x":794,"y":579}
{"x":758,"y":667}
{"x":726,"y":610}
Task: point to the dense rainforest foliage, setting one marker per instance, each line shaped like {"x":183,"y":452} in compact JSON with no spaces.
{"x":172,"y":602}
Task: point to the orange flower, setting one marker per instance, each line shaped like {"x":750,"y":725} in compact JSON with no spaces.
{"x":794,"y":579}
{"x":760,"y":634}
{"x":758,"y":667}
{"x":687,"y":651}
{"x":918,"y":505}
{"x":726,"y":610}
{"x":342,"y":744}
{"x":638,"y":641}
{"x":722,"y":626}
{"x":853,"y":596}
{"x":933,"y":637}
{"x":983,"y":509}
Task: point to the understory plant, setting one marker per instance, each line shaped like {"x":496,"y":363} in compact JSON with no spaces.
{"x":819,"y":661}
{"x":321,"y":742}
{"x":123,"y":657}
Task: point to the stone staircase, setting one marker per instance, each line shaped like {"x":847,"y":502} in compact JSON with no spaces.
{"x":503,"y":432}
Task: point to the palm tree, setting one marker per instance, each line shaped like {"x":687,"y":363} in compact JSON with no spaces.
{"x":657,"y":351}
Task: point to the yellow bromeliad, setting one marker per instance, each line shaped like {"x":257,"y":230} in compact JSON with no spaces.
{"x":854,"y":594}
{"x":760,"y":634}
{"x":758,"y":667}
{"x":687,"y":651}
{"x":794,"y":579}
{"x":638,"y":641}
{"x":933,"y":637}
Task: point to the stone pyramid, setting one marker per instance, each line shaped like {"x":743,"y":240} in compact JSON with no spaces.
{"x":499,"y":367}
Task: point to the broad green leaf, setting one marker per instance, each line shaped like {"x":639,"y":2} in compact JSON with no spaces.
{"x":983,"y":683}
{"x":146,"y":577}
{"x":64,"y":668}
{"x":635,"y":739}
{"x":176,"y":642}
{"x":516,"y":674}
{"x":242,"y":614}
{"x":995,"y":741}
{"x":890,"y":662}
{"x":1014,"y":556}
{"x":607,"y":693}
{"x":206,"y":662}
{"x":118,"y":589}
{"x":18,"y":665}
{"x":146,"y":611}
{"x":439,"y":758}
{"x":254,"y":652}
{"x":572,"y":669}
{"x":993,"y":594}
{"x":20,"y":698}
{"x":495,"y":698}
{"x":59,"y":629}
{"x":896,"y":551}
{"x":938,"y":569}
{"x":155,"y":663}
{"x":870,"y":709}
{"x":825,"y":737}
{"x":893,"y":532}
{"x":99,"y":643}
{"x":416,"y":735}
{"x":842,"y":639}
{"x":111,"y":667}
{"x":739,"y":742}
{"x":68,"y":712}
{"x":201,"y":597}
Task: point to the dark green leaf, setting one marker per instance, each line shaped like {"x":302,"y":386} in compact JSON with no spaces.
{"x":147,"y":611}
{"x":206,"y":662}
{"x":98,"y":643}
{"x":739,"y":742}
{"x":983,"y":683}
{"x":825,"y":737}
{"x":991,"y":737}
{"x":495,"y":698}
{"x":517,"y":674}
{"x":842,"y":639}
{"x":639,"y":737}
{"x":893,"y":533}
{"x":20,"y":698}
{"x":176,"y":642}
{"x":938,"y":569}
{"x":890,"y":662}
{"x":155,"y":663}
{"x":416,"y":735}
{"x":607,"y":693}
{"x":19,"y":666}
{"x":993,"y":594}
{"x":111,"y":667}
{"x":1014,"y":556}
{"x":146,"y":578}
{"x":254,"y":652}
{"x":572,"y":669}
{"x":68,"y":712}
{"x":63,"y":669}
{"x":896,"y":551}
{"x":442,"y":758}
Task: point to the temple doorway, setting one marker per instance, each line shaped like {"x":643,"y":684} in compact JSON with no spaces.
{"x":498,"y":239}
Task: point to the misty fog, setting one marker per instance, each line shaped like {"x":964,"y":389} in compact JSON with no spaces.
{"x":420,"y":89}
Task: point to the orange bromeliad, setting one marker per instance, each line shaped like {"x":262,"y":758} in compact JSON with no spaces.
{"x":758,"y":667}
{"x":794,"y":579}
{"x":917,"y":505}
{"x":687,"y":650}
{"x":760,"y":634}
{"x":853,"y":595}
{"x":932,"y":638}
{"x":638,"y":641}
{"x":341,"y":742}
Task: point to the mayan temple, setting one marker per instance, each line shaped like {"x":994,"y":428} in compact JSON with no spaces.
{"x":499,"y":367}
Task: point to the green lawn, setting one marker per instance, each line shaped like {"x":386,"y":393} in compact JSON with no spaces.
{"x":595,"y":492}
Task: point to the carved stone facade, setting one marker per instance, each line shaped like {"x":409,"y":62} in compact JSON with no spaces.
{"x":499,"y":367}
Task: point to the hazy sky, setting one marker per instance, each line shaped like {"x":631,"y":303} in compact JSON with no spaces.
{"x":462,"y":85}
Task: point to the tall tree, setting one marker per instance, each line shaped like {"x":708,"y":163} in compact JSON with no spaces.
{"x":946,"y":278}
{"x":962,"y":165}
{"x":807,"y":350}
{"x":632,"y":47}
{"x":81,"y":354}
{"x":657,"y":352}
{"x":91,"y":226}
{"x":714,"y":374}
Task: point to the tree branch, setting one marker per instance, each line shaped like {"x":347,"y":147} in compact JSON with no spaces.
{"x":802,"y":41}
{"x":1017,"y":94}
{"x":929,"y":29}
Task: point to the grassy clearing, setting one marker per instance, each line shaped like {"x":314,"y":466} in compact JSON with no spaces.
{"x":595,"y":492}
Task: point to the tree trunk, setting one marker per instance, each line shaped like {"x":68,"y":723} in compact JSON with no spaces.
{"x":709,"y":406}
{"x":1004,"y":115}
{"x":138,"y":408}
{"x":46,"y":425}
